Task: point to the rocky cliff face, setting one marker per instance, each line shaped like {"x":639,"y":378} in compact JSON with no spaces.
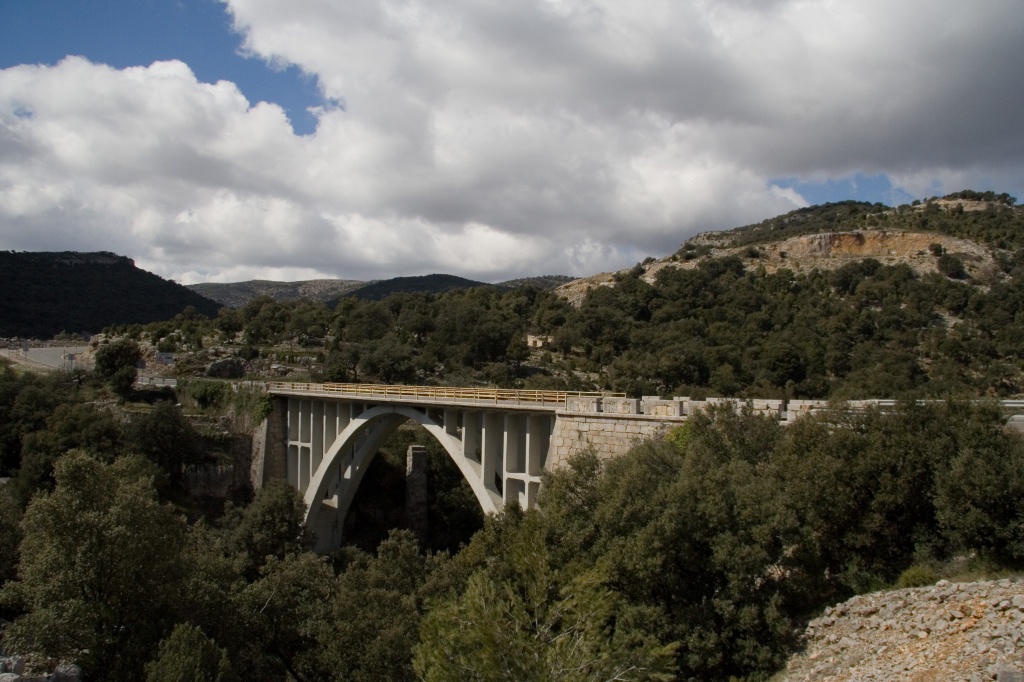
{"x":827,"y":251}
{"x":955,"y":632}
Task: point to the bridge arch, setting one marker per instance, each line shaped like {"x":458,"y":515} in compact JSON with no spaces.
{"x":333,"y":485}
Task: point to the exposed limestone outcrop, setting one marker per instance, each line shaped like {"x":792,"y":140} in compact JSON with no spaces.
{"x":826,"y":251}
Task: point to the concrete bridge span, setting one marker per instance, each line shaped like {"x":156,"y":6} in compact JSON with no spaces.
{"x":321,"y":438}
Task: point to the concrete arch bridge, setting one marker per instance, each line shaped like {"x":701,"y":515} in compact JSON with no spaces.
{"x":321,"y":438}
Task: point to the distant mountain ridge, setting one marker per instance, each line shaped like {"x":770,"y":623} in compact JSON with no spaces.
{"x":436,"y":283}
{"x":980,"y":235}
{"x":237,"y":294}
{"x":46,"y":293}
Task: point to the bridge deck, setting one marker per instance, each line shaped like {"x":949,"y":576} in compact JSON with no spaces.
{"x":441,"y":395}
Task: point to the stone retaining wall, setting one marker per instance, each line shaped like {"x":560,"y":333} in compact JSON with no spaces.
{"x":609,"y":435}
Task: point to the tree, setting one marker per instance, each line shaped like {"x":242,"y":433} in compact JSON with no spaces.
{"x":979,"y":496}
{"x":10,"y":532}
{"x":517,"y":620}
{"x":100,"y":567}
{"x":273,"y":525}
{"x":117,"y":363}
{"x":371,"y":622}
{"x":188,"y":655}
{"x":279,"y":608}
{"x":168,"y":440}
{"x":80,"y":426}
{"x":951,"y":266}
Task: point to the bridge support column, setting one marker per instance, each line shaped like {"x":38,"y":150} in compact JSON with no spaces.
{"x":451,"y":423}
{"x":471,"y":428}
{"x":416,"y":490}
{"x":493,"y":438}
{"x":513,"y":487}
{"x":270,"y":446}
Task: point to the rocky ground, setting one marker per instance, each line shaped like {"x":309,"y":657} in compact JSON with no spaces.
{"x":956,"y":632}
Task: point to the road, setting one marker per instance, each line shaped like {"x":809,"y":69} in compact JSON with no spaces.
{"x":53,"y":358}
{"x":57,"y":358}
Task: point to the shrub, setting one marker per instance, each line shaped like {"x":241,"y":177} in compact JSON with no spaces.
{"x":207,"y":393}
{"x":188,"y":654}
{"x":951,"y":266}
{"x":917,"y":576}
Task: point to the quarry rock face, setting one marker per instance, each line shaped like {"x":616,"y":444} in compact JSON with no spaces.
{"x":826,"y":251}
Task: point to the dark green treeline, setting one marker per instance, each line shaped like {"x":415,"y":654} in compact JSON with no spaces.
{"x":696,"y":556}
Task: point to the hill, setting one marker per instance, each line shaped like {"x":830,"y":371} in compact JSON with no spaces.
{"x":237,"y":294}
{"x":981,"y":230}
{"x":540,"y":282}
{"x":437,"y":284}
{"x":434,"y":284}
{"x":46,"y":293}
{"x":983,"y":217}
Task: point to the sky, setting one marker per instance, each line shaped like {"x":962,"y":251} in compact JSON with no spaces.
{"x":228,"y":140}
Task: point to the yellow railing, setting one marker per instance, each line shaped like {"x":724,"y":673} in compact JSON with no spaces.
{"x":435,"y":393}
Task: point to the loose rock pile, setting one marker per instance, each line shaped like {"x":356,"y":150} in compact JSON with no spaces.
{"x":12,"y":669}
{"x":963,"y":632}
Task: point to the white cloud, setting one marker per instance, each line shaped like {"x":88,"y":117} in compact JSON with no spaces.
{"x":494,"y":139}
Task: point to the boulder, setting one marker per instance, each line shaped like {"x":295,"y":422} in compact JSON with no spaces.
{"x":66,"y":672}
{"x":228,"y":368}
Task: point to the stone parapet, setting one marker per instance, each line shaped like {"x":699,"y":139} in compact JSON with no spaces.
{"x":583,"y":404}
{"x":621,"y":406}
{"x":797,"y":408}
{"x":656,"y":407}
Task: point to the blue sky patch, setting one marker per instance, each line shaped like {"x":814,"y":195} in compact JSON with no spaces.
{"x":124,"y":33}
{"x":858,"y":187}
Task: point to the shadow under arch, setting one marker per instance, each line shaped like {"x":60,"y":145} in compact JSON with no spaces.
{"x":333,"y":485}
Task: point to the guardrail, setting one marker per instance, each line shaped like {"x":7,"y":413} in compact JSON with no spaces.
{"x":155,"y":381}
{"x":435,"y":393}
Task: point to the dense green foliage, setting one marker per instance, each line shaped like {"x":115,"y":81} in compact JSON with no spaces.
{"x":699,"y":555}
{"x":188,"y":655}
{"x":42,"y":417}
{"x":518,"y":617}
{"x":863,"y":330}
{"x":99,"y":567}
{"x":84,"y":292}
{"x":722,"y":539}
